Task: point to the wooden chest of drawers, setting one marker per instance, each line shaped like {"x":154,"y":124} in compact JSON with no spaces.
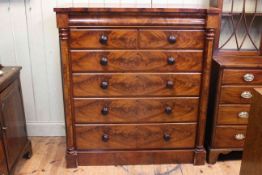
{"x":232,"y":90}
{"x":135,"y":84}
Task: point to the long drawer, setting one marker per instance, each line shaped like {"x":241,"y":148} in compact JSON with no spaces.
{"x":145,"y":61}
{"x":233,"y":114}
{"x":229,"y":136}
{"x":141,"y":136}
{"x":240,"y":76}
{"x":140,"y":110}
{"x":236,"y":94}
{"x":136,"y":84}
{"x":171,"y":39}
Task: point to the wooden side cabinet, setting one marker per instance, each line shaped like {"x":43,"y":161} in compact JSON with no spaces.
{"x":13,"y":135}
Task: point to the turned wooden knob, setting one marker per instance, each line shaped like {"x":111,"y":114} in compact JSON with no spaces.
{"x":103,"y":61}
{"x":105,"y":110}
{"x":104,"y":84}
{"x":166,"y":137}
{"x":171,"y":39}
{"x":170,"y":84}
{"x":168,"y":110}
{"x":103,"y":39}
{"x":105,"y":137}
{"x":171,"y":60}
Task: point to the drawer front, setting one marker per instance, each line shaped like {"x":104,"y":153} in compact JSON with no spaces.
{"x":104,"y":85}
{"x":103,"y":39}
{"x":119,"y":61}
{"x":233,"y":114}
{"x":136,"y":110}
{"x":230,"y":137}
{"x":171,"y":39}
{"x":142,"y":136}
{"x":239,"y":76}
{"x":236,"y":94}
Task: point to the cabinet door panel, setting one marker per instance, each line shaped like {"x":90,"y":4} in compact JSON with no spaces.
{"x":14,"y":122}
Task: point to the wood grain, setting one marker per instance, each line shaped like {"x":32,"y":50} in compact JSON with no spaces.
{"x":157,"y":39}
{"x":132,"y":136}
{"x":185,"y":84}
{"x":146,"y":61}
{"x":228,"y":114}
{"x":225,"y":137}
{"x":90,"y":39}
{"x":236,"y":76}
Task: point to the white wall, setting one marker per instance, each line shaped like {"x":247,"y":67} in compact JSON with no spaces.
{"x":29,"y":38}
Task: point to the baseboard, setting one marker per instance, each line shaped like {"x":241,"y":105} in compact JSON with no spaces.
{"x":46,"y":128}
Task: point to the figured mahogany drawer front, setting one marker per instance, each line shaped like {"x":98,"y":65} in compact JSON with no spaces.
{"x":116,"y":61}
{"x":136,"y":110}
{"x":233,"y":114}
{"x":229,"y":137}
{"x":166,"y":84}
{"x":236,"y":94}
{"x":135,"y":136}
{"x":171,"y":39}
{"x":239,"y":76}
{"x":103,"y":39}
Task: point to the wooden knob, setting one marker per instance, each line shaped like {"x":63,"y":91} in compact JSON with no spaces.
{"x":171,"y":60}
{"x":172,"y":39}
{"x":105,"y":137}
{"x":103,"y":61}
{"x":103,"y":39}
{"x":168,"y":110}
{"x":169,"y":84}
{"x":104,"y":84}
{"x":105,"y":110}
{"x":166,"y":137}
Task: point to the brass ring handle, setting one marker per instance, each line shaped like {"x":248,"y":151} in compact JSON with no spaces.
{"x":249,"y":77}
{"x":246,"y":94}
{"x":239,"y":136}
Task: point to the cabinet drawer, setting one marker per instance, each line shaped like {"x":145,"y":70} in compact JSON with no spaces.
{"x":236,"y":94}
{"x":171,"y":39}
{"x":104,"y":85}
{"x":119,"y":61}
{"x":233,"y":114}
{"x":229,"y":137}
{"x":132,"y":136}
{"x":103,"y":39}
{"x":136,"y":110}
{"x":239,"y":76}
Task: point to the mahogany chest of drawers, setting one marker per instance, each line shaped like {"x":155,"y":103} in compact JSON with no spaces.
{"x":135,"y":84}
{"x":232,"y":90}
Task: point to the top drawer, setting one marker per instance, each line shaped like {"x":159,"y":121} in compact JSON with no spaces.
{"x":240,"y":76}
{"x":103,"y":39}
{"x":171,"y":39}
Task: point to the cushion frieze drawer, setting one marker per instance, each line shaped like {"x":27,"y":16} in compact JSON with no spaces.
{"x":240,"y":76}
{"x":145,"y":61}
{"x":229,"y":136}
{"x":103,"y":39}
{"x":145,"y":110}
{"x":171,"y":39}
{"x":130,"y":136}
{"x":136,"y":84}
{"x":233,"y":114}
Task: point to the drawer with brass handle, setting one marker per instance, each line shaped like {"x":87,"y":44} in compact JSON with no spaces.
{"x":229,"y":136}
{"x":136,"y":110}
{"x":135,"y":136}
{"x":136,"y":84}
{"x":240,"y":76}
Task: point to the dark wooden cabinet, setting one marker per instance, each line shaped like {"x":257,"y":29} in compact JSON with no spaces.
{"x":233,"y":81}
{"x":14,"y":141}
{"x":135,"y":84}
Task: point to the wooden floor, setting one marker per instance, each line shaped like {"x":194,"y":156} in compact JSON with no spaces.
{"x":48,"y":159}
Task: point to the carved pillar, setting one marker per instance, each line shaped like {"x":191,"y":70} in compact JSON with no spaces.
{"x":200,"y":153}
